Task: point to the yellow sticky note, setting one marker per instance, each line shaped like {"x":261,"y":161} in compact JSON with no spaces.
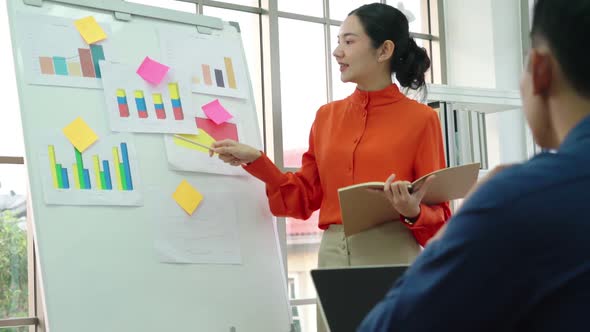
{"x":90,"y":30}
{"x":202,"y":138}
{"x":80,"y":134}
{"x":187,"y":197}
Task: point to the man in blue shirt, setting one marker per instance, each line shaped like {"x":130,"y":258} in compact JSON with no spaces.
{"x":517,"y":255}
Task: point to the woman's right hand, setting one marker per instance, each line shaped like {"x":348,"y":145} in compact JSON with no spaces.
{"x":234,"y":153}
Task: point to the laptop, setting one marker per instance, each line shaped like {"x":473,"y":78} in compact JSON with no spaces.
{"x":348,"y":294}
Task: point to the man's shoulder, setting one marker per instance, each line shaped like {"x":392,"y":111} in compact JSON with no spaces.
{"x":543,"y":175}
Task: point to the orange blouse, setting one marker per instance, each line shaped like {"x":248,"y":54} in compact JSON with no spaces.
{"x":365,"y":137}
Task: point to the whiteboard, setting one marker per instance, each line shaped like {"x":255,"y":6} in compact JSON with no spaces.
{"x":98,"y":264}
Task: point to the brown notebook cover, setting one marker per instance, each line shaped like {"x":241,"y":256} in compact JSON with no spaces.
{"x":363,"y":209}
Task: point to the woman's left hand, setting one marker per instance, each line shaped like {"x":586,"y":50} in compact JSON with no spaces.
{"x":404,"y":202}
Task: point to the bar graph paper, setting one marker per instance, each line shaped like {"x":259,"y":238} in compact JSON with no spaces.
{"x":57,"y":55}
{"x":105,"y":174}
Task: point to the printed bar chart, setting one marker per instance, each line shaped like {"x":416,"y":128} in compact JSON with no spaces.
{"x":122,"y":103}
{"x":85,"y":64}
{"x":135,"y":105}
{"x":175,"y":98}
{"x":219,"y":75}
{"x":102,"y":178}
{"x":157,"y":99}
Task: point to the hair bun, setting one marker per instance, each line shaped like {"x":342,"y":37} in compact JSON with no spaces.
{"x":411,"y":67}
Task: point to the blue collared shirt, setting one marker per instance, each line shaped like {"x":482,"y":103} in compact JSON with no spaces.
{"x":515,"y":258}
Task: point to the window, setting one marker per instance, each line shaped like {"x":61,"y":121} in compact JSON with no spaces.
{"x":303,"y":7}
{"x":339,"y":9}
{"x":303,"y":89}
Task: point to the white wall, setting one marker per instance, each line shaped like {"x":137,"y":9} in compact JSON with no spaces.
{"x":484,"y":50}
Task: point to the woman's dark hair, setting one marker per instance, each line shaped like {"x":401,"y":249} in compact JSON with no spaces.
{"x":409,"y":61}
{"x":565,"y":26}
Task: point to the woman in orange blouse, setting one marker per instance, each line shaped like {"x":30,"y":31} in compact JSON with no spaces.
{"x":369,"y":136}
{"x":374,"y":134}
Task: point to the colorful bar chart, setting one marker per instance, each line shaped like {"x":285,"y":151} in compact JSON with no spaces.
{"x":219,"y":75}
{"x":122,"y":103}
{"x":85,"y":64}
{"x":157,"y":99}
{"x":175,"y":98}
{"x":102,"y":175}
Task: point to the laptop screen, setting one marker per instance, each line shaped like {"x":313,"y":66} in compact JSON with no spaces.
{"x":348,"y":294}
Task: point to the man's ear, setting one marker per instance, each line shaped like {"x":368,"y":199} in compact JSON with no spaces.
{"x":541,"y":72}
{"x":385,"y":51}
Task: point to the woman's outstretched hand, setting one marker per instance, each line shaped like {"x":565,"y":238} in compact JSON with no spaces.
{"x":234,"y":153}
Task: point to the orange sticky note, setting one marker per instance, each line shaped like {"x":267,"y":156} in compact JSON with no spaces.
{"x":187,"y":197}
{"x":80,"y":134}
{"x":90,"y":30}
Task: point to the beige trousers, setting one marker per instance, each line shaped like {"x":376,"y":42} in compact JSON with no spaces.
{"x":390,"y":243}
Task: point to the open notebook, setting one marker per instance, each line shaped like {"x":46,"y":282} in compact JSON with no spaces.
{"x":362,"y":209}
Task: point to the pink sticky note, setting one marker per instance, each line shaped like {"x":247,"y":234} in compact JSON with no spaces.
{"x":152,"y":71}
{"x":216,"y":112}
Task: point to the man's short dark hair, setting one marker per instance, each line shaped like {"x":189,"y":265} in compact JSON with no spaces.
{"x":565,"y":26}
